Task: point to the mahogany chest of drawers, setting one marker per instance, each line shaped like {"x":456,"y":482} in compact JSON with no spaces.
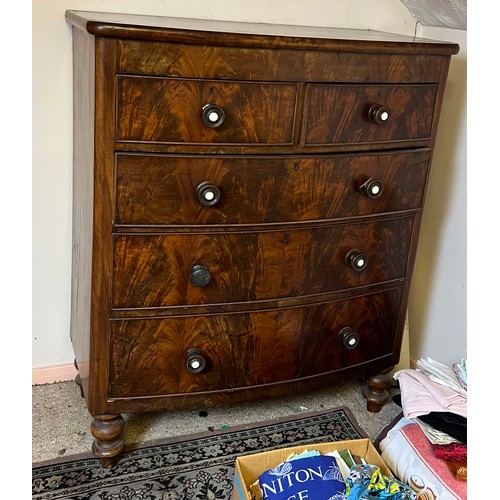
{"x":247,"y":203}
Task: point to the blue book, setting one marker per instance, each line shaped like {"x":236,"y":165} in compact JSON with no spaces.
{"x":304,"y":478}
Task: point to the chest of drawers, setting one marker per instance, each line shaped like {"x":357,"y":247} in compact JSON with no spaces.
{"x":247,"y":203}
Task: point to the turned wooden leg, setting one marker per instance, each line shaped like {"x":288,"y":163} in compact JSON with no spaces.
{"x":109,"y":443}
{"x":375,"y":390}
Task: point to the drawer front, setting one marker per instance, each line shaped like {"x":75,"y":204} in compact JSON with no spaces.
{"x":172,"y":190}
{"x":193,"y":269}
{"x":226,"y":62}
{"x":340,"y":114}
{"x":170,"y":110}
{"x":242,"y":350}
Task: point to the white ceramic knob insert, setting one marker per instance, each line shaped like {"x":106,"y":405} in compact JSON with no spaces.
{"x":213,"y":116}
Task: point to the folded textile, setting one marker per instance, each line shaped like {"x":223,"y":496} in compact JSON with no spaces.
{"x":441,"y":374}
{"x":455,"y":452}
{"x":420,"y":395}
{"x":435,"y":436}
{"x":409,"y":455}
{"x":461,"y":370}
{"x":452,"y":425}
{"x":366,"y":481}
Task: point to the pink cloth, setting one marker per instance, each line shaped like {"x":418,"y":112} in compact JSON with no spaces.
{"x":420,"y":395}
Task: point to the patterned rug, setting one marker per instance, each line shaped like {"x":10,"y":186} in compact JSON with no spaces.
{"x":194,"y":467}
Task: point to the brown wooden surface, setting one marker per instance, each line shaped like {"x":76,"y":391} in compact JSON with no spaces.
{"x":169,"y":110}
{"x":289,"y":161}
{"x":101,"y":270}
{"x":154,"y":270}
{"x":83,"y":199}
{"x":315,"y":65}
{"x":241,"y":350}
{"x":160,"y":190}
{"x":339,"y":113}
{"x":207,"y":31}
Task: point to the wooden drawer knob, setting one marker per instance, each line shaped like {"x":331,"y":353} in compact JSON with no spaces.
{"x":349,"y":338}
{"x":213,"y":116}
{"x":195,"y":362}
{"x":379,"y":114}
{"x":200,"y":275}
{"x":372,"y":188}
{"x":357,"y":260}
{"x":208,"y":193}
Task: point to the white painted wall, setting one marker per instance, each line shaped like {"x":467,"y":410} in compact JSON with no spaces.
{"x":52,"y":156}
{"x":438,"y":303}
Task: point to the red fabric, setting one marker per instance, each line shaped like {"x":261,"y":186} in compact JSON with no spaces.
{"x":455,"y":452}
{"x":438,"y":468}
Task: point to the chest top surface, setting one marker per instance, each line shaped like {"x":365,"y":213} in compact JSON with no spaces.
{"x":214,"y":32}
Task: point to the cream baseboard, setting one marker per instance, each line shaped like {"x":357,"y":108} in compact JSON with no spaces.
{"x":54,"y":373}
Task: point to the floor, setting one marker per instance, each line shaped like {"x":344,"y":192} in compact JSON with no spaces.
{"x":61,"y":422}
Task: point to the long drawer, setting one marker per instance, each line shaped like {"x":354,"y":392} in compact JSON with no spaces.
{"x":226,"y":351}
{"x":166,"y":270}
{"x":189,"y":190}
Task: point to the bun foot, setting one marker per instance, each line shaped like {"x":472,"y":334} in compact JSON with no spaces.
{"x":109,"y":443}
{"x":375,"y":391}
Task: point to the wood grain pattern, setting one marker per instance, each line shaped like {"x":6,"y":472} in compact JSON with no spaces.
{"x":169,"y":110}
{"x":148,"y":357}
{"x":339,"y":114}
{"x":246,"y":34}
{"x":289,"y":161}
{"x":154,"y":270}
{"x":82,"y":210}
{"x":229,"y":62}
{"x":160,"y":190}
{"x":101,"y":228}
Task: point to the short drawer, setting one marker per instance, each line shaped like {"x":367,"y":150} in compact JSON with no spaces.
{"x":358,"y":114}
{"x":185,"y":190}
{"x":192,"y":269}
{"x":191,"y":354}
{"x":190,"y":111}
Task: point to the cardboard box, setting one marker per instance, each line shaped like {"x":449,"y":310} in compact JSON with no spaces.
{"x":250,"y":467}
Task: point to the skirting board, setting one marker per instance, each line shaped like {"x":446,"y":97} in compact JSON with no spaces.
{"x":54,"y":373}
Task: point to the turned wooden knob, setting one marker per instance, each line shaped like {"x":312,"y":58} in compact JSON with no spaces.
{"x":208,"y":193}
{"x":357,"y":260}
{"x":213,"y":116}
{"x":379,"y":114}
{"x":200,"y":275}
{"x":372,"y":188}
{"x":349,"y":338}
{"x":195,"y":362}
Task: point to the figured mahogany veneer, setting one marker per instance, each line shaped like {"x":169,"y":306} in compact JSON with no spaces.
{"x":168,"y":110}
{"x":154,"y":270}
{"x":247,"y":202}
{"x":237,"y":346}
{"x":161,"y":190}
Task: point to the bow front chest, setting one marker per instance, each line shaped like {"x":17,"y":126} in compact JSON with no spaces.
{"x":247,"y":203}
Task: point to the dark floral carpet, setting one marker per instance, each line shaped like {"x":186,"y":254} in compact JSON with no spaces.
{"x":198,"y":467}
